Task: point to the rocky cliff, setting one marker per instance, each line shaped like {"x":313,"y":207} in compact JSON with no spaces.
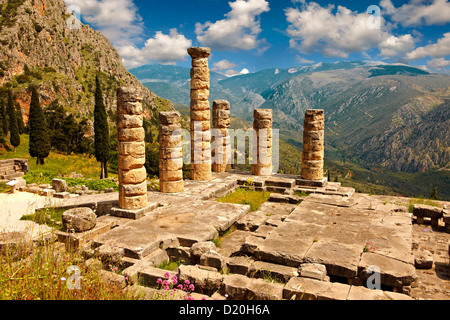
{"x":37,"y":46}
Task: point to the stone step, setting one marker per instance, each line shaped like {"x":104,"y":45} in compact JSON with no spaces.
{"x":239,"y":287}
{"x":12,"y":176}
{"x":7,"y":171}
{"x":311,"y":289}
{"x":279,"y":182}
{"x":133,"y":214}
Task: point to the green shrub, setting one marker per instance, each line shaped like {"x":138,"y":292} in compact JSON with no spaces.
{"x":39,"y":176}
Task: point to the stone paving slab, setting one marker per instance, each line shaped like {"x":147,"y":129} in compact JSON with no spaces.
{"x":334,"y":234}
{"x":188,"y":220}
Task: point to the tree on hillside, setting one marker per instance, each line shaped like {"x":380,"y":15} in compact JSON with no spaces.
{"x":434,"y":195}
{"x":101,"y":130}
{"x":19,"y":118}
{"x":13,"y":127}
{"x":4,"y":119}
{"x":39,"y":138}
{"x":2,"y":138}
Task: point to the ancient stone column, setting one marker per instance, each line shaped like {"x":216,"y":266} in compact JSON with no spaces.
{"x":313,"y":145}
{"x":262,"y":144}
{"x":170,"y":153}
{"x":200,"y":115}
{"x":131,"y":147}
{"x":221,"y":147}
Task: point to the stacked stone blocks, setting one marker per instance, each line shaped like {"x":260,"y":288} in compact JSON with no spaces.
{"x":200,"y":115}
{"x":313,"y":145}
{"x":131,"y":148}
{"x":262,"y":142}
{"x":170,"y":153}
{"x":221,"y":148}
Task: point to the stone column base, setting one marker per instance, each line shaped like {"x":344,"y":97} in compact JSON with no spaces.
{"x":133,"y":214}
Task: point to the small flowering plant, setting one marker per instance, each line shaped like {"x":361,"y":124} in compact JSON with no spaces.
{"x":172,"y":284}
{"x":369,"y":247}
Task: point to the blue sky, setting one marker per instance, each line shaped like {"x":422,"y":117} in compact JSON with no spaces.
{"x":250,"y":35}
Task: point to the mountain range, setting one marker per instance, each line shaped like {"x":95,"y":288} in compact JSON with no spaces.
{"x":393,"y":116}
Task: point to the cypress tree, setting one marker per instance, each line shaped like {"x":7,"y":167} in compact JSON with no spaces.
{"x":4,"y":120}
{"x":101,"y":130}
{"x":19,"y":118}
{"x":2,"y":139}
{"x":13,"y":127}
{"x":39,"y":138}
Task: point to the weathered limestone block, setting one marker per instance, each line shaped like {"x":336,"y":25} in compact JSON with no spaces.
{"x":79,"y":219}
{"x":313,"y":145}
{"x":132,"y":176}
{"x":128,"y":162}
{"x":130,"y":121}
{"x":59,"y":185}
{"x":131,"y":190}
{"x":131,"y":148}
{"x":313,"y":271}
{"x":172,"y":186}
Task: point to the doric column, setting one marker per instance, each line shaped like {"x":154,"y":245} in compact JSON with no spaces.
{"x":221,"y":147}
{"x":170,"y":153}
{"x":200,"y":115}
{"x":262,"y":144}
{"x":313,"y":145}
{"x":131,"y":147}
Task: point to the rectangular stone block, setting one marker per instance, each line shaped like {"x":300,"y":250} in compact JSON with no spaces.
{"x":130,"y":190}
{"x":131,"y":108}
{"x":133,"y":203}
{"x":421,"y":210}
{"x":171,"y":186}
{"x":131,"y":148}
{"x":170,"y":153}
{"x":170,"y":175}
{"x":200,"y":115}
{"x":169,"y":117}
{"x":171,"y":164}
{"x":132,"y":176}
{"x":200,"y":73}
{"x":131,"y":134}
{"x":169,"y":130}
{"x":130,"y":121}
{"x":171,"y":141}
{"x":198,"y":105}
{"x":131,"y":162}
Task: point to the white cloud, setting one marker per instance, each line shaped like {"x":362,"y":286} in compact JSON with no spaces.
{"x":436,"y":50}
{"x":118,"y":20}
{"x":438,"y":63}
{"x":238,"y":31}
{"x":223,"y":65}
{"x":418,"y":12}
{"x":315,"y":28}
{"x":162,"y":48}
{"x":231,"y":73}
{"x":303,"y":60}
{"x":396,"y":46}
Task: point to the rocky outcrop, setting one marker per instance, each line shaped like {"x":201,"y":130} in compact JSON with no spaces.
{"x":37,"y":47}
